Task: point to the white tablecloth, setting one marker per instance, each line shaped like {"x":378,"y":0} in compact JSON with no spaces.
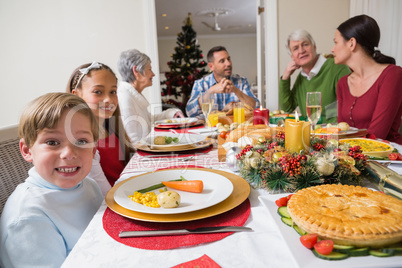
{"x":264,"y":247}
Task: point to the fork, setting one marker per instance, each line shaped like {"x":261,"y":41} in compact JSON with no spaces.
{"x":185,"y":159}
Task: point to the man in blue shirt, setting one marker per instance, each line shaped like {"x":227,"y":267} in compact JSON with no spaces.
{"x":226,"y":87}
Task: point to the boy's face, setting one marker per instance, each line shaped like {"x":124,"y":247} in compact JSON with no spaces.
{"x":63,"y":155}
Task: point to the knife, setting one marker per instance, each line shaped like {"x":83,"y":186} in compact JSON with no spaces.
{"x":202,"y":230}
{"x":170,"y":155}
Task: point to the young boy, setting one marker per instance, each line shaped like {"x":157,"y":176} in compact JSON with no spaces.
{"x":45,"y":216}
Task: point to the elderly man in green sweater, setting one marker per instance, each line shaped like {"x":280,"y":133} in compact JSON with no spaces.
{"x":318,"y":73}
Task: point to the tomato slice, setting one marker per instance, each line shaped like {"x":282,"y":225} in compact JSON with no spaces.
{"x":324,"y":247}
{"x":393,"y":156}
{"x":399,"y":156}
{"x":309,"y":240}
{"x":281,"y":202}
{"x":289,"y":196}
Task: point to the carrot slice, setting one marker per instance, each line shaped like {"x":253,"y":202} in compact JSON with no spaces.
{"x":194,"y":186}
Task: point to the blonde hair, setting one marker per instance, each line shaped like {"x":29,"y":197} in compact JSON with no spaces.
{"x":46,"y":111}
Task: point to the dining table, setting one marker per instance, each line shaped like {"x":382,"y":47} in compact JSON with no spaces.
{"x":269,"y":244}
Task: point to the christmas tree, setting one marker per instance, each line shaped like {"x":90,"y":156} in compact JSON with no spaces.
{"x":186,"y":66}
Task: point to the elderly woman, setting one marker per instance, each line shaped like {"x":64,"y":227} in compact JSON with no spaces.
{"x":136,"y":72}
{"x":370,"y":97}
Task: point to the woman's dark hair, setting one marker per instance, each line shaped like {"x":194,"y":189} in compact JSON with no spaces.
{"x":367,"y":33}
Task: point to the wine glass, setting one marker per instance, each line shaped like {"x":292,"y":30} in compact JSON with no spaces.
{"x":313,"y":107}
{"x":206,"y":103}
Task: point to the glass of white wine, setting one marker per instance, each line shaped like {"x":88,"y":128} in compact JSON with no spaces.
{"x":313,"y":107}
{"x":206,"y":102}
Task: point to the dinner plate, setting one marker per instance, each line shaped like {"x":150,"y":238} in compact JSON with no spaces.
{"x":199,"y":145}
{"x":176,"y":121}
{"x":241,"y":191}
{"x":388,"y":161}
{"x":305,"y":257}
{"x":216,"y":189}
{"x":185,"y":139}
{"x":352,"y":130}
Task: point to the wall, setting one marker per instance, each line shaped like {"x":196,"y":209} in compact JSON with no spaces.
{"x":43,"y":41}
{"x":319,"y":17}
{"x":242,"y":49}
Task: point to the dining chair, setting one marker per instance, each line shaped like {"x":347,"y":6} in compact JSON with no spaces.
{"x":13,"y":167}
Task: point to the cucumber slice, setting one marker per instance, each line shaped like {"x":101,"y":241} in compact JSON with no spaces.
{"x":379,"y":253}
{"x":333,"y":256}
{"x":359,"y":252}
{"x":392,"y":250}
{"x":283,"y":211}
{"x":343,"y":248}
{"x":299,"y":230}
{"x":287,"y":221}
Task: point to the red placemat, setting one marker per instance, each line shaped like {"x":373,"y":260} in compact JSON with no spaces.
{"x":114,"y":223}
{"x":202,"y":262}
{"x":181,"y":153}
{"x":180,"y":129}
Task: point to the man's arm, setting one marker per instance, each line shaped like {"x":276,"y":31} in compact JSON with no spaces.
{"x":193,"y":107}
{"x":244,"y":98}
{"x":242,"y":89}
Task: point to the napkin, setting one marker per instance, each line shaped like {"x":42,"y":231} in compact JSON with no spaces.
{"x":114,"y":223}
{"x":201,"y":262}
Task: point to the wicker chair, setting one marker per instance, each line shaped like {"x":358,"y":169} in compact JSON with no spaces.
{"x":13,"y":167}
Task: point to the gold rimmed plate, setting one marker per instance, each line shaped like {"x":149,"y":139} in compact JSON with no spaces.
{"x":241,"y":191}
{"x":199,"y":145}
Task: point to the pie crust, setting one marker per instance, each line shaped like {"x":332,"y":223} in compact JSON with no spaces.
{"x":348,"y":215}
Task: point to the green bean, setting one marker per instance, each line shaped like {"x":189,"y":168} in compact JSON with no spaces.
{"x":156,"y":186}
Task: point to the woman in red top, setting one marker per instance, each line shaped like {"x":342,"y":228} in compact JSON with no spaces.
{"x":371,"y":96}
{"x":96,"y":83}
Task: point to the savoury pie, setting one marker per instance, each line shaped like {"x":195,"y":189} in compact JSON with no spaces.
{"x":348,"y":215}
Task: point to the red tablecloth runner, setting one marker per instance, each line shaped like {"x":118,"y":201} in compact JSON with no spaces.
{"x":181,"y":153}
{"x":202,"y":262}
{"x":113,"y":224}
{"x":180,"y":129}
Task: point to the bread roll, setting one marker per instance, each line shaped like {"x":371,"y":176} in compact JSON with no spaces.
{"x":243,"y":130}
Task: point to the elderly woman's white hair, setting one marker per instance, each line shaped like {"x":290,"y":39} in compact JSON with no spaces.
{"x":130,"y":58}
{"x":299,"y":35}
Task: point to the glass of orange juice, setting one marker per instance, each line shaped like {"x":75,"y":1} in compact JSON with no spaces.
{"x":238,"y":113}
